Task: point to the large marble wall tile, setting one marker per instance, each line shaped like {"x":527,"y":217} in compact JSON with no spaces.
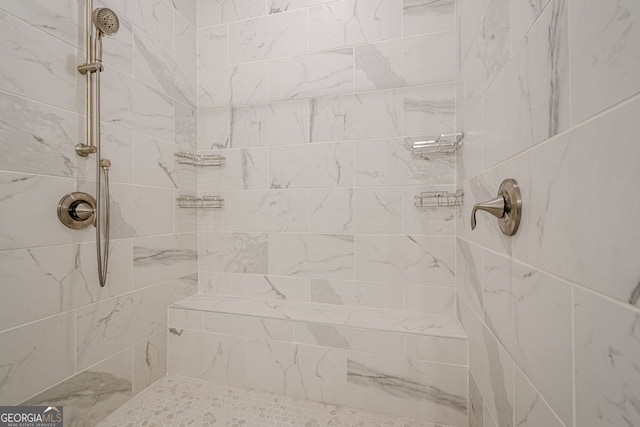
{"x":117,"y":323}
{"x":411,"y":61}
{"x":52,"y":279}
{"x":234,"y":252}
{"x":430,"y":110}
{"x":311,"y":165}
{"x":392,"y":162}
{"x":277,"y":6}
{"x":530,"y":313}
{"x":188,"y":9}
{"x":223,"y":11}
{"x":406,"y":259}
{"x":35,"y":357}
{"x":117,"y":145}
{"x":184,"y":287}
{"x":154,"y":17}
{"x":160,"y":69}
{"x":594,"y":249}
{"x":155,"y":165}
{"x":315,"y":74}
{"x":186,"y":126}
{"x":217,"y":358}
{"x":149,"y":361}
{"x":27,"y":206}
{"x":476,"y":404}
{"x":248,"y":326}
{"x":529,"y":102}
{"x":350,"y":22}
{"x":428,"y":16}
{"x":366,"y":294}
{"x":161,"y":258}
{"x":361,"y":116}
{"x":406,"y":387}
{"x":37,"y":138}
{"x":36,"y":65}
{"x":92,"y":394}
{"x":605,"y":63}
{"x":489,"y":51}
{"x":185,"y":49}
{"x":491,"y":367}
{"x":438,"y":221}
{"x":213,"y":129}
{"x":607,"y":344}
{"x":436,"y":349}
{"x":185,"y":319}
{"x":212,"y":219}
{"x":269,"y":287}
{"x":272,"y":36}
{"x":523,"y":16}
{"x":135,"y":106}
{"x":470,"y":157}
{"x":470,"y":274}
{"x":331,"y":210}
{"x":356,"y":339}
{"x":235,"y":85}
{"x":315,"y":373}
{"x":281,"y":123}
{"x":269,"y":211}
{"x":213,"y":46}
{"x":60,"y":19}
{"x":530,"y":409}
{"x":321,"y":256}
{"x":430,"y":299}
{"x":468,"y":23}
{"x":118,"y":50}
{"x":244,"y":169}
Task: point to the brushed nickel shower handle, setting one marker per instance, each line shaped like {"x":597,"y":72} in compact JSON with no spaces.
{"x":495,"y":207}
{"x":506,"y":207}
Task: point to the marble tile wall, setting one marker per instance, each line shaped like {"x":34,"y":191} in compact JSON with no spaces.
{"x":64,"y":339}
{"x":312,"y":103}
{"x":547,"y":93}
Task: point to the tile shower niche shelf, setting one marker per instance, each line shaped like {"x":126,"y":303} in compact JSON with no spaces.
{"x":192,"y":159}
{"x":438,"y":144}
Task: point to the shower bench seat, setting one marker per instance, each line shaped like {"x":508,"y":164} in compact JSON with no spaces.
{"x":396,"y":362}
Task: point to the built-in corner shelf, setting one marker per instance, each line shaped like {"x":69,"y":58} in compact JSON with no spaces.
{"x":438,"y":199}
{"x":438,"y":144}
{"x":204,"y":202}
{"x":193,"y":159}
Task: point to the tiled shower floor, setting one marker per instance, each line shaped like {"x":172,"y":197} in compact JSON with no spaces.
{"x":178,"y":401}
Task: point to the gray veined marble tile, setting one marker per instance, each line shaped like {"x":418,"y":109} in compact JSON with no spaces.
{"x":161,"y":258}
{"x":407,"y":387}
{"x":429,"y":110}
{"x":186,"y":126}
{"x":269,"y":211}
{"x":37,"y":138}
{"x":280,"y":123}
{"x":430,"y":299}
{"x":351,"y":22}
{"x":244,"y":169}
{"x":278,"y":6}
{"x":428,"y":16}
{"x":468,"y":21}
{"x":269,"y":287}
{"x":236,"y":85}
{"x":470,"y":274}
{"x":476,"y":404}
{"x":438,"y":221}
{"x":36,"y":65}
{"x":412,"y":61}
{"x":213,"y":46}
{"x":213,"y":129}
{"x":234,"y":252}
{"x":312,"y":255}
{"x":92,"y":394}
{"x":155,"y":163}
{"x":315,"y":74}
{"x":356,"y":293}
{"x":154,"y":17}
{"x":117,"y":145}
{"x":223,"y":11}
{"x":118,"y":50}
{"x":530,"y":409}
{"x":149,"y":361}
{"x":523,"y":15}
{"x":247,"y":326}
{"x":187,"y":8}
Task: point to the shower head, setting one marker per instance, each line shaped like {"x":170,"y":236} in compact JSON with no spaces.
{"x":106,"y":21}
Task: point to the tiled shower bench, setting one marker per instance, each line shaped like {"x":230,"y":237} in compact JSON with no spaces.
{"x":390,"y":361}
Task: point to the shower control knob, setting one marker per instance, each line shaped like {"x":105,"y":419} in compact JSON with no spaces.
{"x":77,"y":210}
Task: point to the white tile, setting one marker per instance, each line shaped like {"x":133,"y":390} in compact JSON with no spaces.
{"x":243,"y":169}
{"x":235,"y":85}
{"x":430,"y":299}
{"x":361,"y":116}
{"x":476,"y":404}
{"x":410,"y":388}
{"x":186,"y":127}
{"x":530,"y":313}
{"x":470,"y":274}
{"x":523,"y":16}
{"x":213,"y":46}
{"x":185,"y":319}
{"x":411,"y":61}
{"x":392,"y":162}
{"x":281,"y":123}
{"x":154,"y":17}
{"x":311,"y":165}
{"x":187,"y":8}
{"x":149,"y":361}
{"x":312,"y":255}
{"x":117,"y":145}
{"x":269,"y":211}
{"x":155,"y":164}
{"x":269,"y":287}
{"x":213,"y":357}
{"x":605,"y":63}
{"x":248,"y":326}
{"x":436,"y":349}
{"x":430,"y":110}
{"x":437,"y":221}
{"x":530,"y":410}
{"x":406,"y":259}
{"x":315,"y":74}
{"x":272,"y":36}
{"x":36,"y":356}
{"x":356,"y":293}
{"x":351,"y":22}
{"x":315,"y":373}
{"x":213,"y":129}
{"x":60,"y":19}
{"x":221,"y":11}
{"x":468,"y":22}
{"x":161,"y":258}
{"x":607,"y":348}
{"x":233,"y":252}
{"x":426,"y":16}
{"x":278,"y":6}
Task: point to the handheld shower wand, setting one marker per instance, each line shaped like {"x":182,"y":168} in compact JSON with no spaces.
{"x":78,"y":210}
